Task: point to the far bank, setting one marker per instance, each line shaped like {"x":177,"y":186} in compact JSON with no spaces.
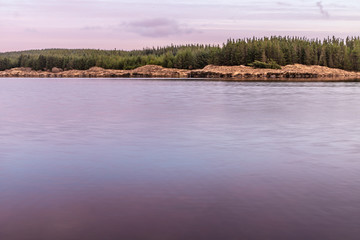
{"x":244,"y":73}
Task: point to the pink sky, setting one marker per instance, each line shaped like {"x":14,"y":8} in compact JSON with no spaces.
{"x":109,"y":24}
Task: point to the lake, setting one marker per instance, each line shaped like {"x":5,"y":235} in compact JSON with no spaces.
{"x":178,"y":159}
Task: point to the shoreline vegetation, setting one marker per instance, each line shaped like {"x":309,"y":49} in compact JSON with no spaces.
{"x":251,"y":58}
{"x":244,"y":73}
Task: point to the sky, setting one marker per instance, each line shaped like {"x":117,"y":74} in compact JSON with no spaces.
{"x":136,"y":24}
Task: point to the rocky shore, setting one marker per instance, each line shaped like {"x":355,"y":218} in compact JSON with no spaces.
{"x":289,"y":72}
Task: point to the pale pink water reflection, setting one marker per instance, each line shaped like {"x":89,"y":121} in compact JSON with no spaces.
{"x":153,"y":159}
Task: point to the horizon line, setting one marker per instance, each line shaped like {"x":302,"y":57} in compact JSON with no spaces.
{"x":190,"y":44}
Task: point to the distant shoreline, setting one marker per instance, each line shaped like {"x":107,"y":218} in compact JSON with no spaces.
{"x":296,"y":72}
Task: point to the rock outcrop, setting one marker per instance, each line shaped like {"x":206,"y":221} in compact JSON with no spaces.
{"x":56,"y":70}
{"x":244,"y":73}
{"x":158,"y":71}
{"x":296,"y":71}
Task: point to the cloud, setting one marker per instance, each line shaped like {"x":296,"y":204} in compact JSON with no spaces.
{"x":323,"y":12}
{"x":31,"y":30}
{"x":283,"y":4}
{"x":92,"y":28}
{"x":157,"y":27}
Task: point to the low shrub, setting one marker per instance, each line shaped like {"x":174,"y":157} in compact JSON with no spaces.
{"x":271,"y":64}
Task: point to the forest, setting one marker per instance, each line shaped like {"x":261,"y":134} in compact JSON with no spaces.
{"x":273,"y":51}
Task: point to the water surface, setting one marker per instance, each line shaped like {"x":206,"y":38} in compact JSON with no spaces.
{"x":169,"y":159}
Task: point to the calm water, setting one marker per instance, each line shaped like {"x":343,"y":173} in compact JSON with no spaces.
{"x":151,"y":159}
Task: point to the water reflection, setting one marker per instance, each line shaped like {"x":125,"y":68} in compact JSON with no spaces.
{"x":147,"y":159}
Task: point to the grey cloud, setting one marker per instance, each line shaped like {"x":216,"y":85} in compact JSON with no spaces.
{"x":323,"y":12}
{"x":92,"y":28}
{"x":157,"y":27}
{"x":31,"y":30}
{"x":283,"y":4}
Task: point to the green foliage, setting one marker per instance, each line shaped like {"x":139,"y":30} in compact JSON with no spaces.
{"x":258,"y":52}
{"x":258,"y":64}
{"x":5,"y":64}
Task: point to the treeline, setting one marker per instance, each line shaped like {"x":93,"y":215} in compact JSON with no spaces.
{"x":330,"y":52}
